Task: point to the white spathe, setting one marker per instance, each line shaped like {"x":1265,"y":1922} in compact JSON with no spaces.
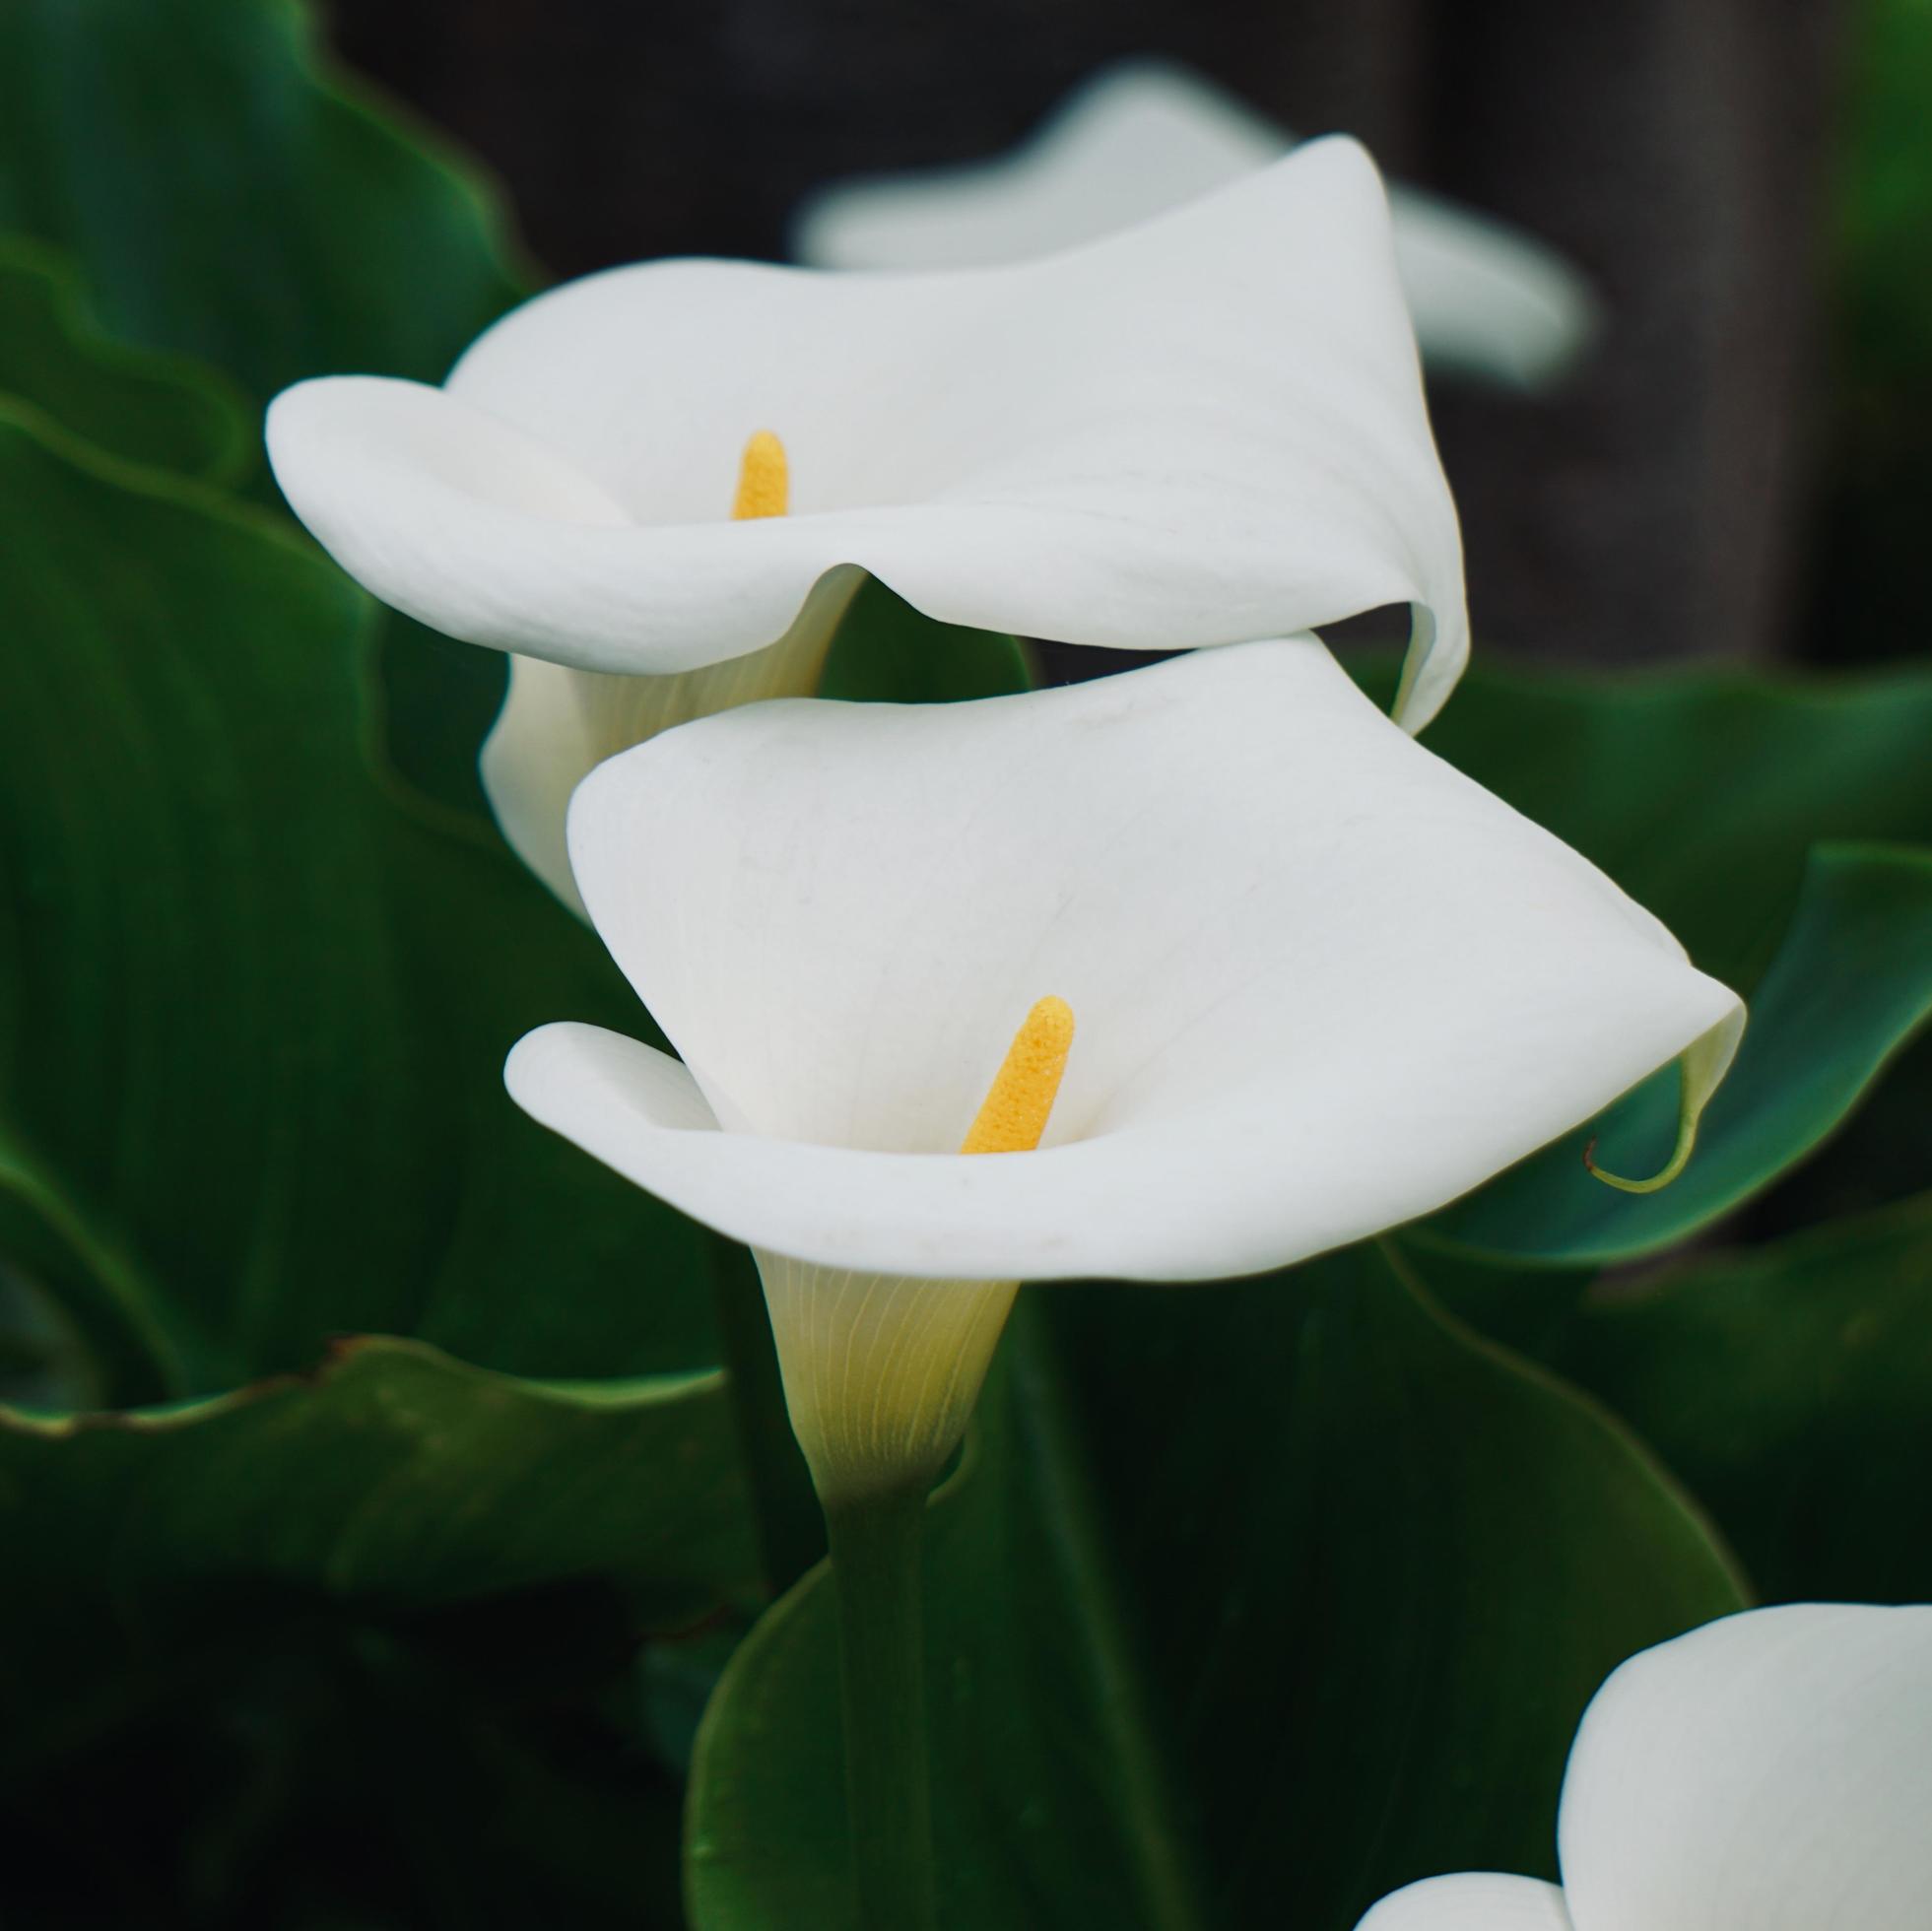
{"x":557,"y":724}
{"x":1321,"y":982}
{"x":1143,"y":135}
{"x":1770,"y":1771}
{"x":1208,"y":429}
{"x":1472,"y":1900}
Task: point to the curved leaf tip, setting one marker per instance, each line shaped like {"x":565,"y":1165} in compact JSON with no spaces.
{"x":1701,"y":1070}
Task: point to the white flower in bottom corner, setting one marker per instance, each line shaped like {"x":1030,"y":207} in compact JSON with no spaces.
{"x":1143,"y":135}
{"x":1770,"y":1771}
{"x":1304,"y":979}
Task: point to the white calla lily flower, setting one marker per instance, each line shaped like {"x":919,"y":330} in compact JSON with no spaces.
{"x":1205,"y":430}
{"x":1322,"y":983}
{"x":1143,"y":135}
{"x":1770,"y":1771}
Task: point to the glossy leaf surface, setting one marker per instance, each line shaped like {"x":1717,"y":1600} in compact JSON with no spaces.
{"x":1851,"y":983}
{"x":1787,"y":1385}
{"x":252,"y":1016}
{"x":1289,"y":1589}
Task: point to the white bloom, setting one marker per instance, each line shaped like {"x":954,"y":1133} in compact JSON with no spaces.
{"x":1206,"y":430}
{"x":1322,"y":983}
{"x":1145,"y":136}
{"x":1770,"y":1771}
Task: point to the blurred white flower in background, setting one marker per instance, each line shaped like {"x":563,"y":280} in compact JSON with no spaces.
{"x":1145,"y":136}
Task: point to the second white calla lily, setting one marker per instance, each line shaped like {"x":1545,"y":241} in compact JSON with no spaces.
{"x":1143,"y":135}
{"x":1205,"y":430}
{"x":1322,"y":983}
{"x":1770,"y":1771}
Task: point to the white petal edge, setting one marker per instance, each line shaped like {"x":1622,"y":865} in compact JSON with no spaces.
{"x":557,"y":725}
{"x":1770,"y":1771}
{"x":1471,"y":1900}
{"x":1143,"y":135}
{"x":1206,"y":430}
{"x":1322,"y":982}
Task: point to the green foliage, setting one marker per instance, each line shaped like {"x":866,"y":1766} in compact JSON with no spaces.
{"x":146,"y":407}
{"x":252,"y":1016}
{"x":1249,"y":1602}
{"x":229,"y":197}
{"x":1787,"y":1385}
{"x":225,"y":193}
{"x":1851,"y":982}
{"x":887,"y":652}
{"x":1700,"y":793}
{"x":391,"y":1480}
{"x":251,"y":1019}
{"x":1283,"y":1593}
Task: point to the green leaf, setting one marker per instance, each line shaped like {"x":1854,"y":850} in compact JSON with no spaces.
{"x":230,"y":196}
{"x":1283,"y":1593}
{"x":1702,"y":793}
{"x":1787,"y":1385}
{"x":142,"y":406}
{"x":287,"y":1647}
{"x":1850,"y":987}
{"x":391,"y":1480}
{"x":888,"y":652}
{"x":253,"y":1015}
{"x":436,"y":700}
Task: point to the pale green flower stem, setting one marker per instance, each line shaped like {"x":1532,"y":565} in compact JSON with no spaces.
{"x":881,"y":1373}
{"x":785,"y":1512}
{"x":875,"y":1568}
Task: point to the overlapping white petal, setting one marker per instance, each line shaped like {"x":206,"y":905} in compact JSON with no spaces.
{"x":1206,"y":430}
{"x":1322,"y":982}
{"x":1145,"y":136}
{"x":557,"y":724}
{"x":1772,"y":1771}
{"x":1471,"y":1900}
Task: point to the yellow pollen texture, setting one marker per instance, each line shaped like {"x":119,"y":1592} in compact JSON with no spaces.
{"x":1023,"y":1089}
{"x":763,"y":479}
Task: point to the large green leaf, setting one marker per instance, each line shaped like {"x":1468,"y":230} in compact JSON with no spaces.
{"x":291,"y":1647}
{"x":251,"y":1015}
{"x":1249,"y":1602}
{"x":1788,"y":1386}
{"x":227,"y":195}
{"x":1702,"y":793}
{"x":1850,"y":984}
{"x":139,"y":404}
{"x":389,"y":1481}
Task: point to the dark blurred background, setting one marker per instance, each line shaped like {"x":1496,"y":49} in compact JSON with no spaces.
{"x":1725,"y":477}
